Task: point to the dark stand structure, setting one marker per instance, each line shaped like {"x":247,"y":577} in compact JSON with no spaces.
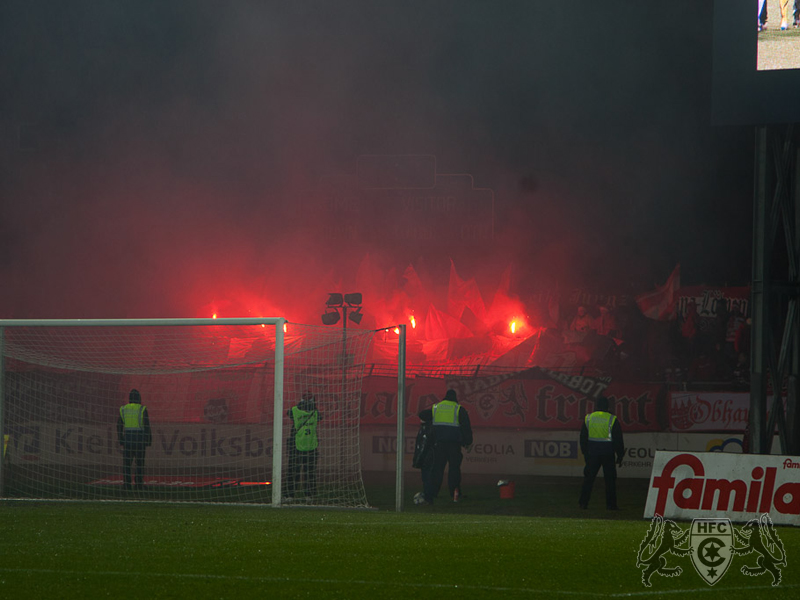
{"x":775,"y":349}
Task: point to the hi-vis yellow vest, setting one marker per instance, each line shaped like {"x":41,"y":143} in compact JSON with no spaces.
{"x":599,"y":424}
{"x":306,"y":425}
{"x":446,"y":413}
{"x":132,"y":416}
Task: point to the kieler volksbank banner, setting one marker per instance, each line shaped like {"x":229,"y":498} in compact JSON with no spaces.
{"x":739,"y":487}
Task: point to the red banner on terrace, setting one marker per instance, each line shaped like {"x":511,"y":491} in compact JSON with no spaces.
{"x":532,"y":399}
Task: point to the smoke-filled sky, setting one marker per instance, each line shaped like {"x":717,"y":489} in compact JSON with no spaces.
{"x":160,"y":159}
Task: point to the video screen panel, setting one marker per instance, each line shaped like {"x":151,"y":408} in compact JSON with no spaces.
{"x":778,"y":44}
{"x":756,"y":62}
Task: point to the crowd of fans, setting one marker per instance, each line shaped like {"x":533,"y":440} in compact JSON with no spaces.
{"x":620,"y":340}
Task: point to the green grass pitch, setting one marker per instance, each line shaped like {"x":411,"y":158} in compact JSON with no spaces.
{"x":537,"y":545}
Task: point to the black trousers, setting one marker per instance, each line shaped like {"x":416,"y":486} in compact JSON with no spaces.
{"x":133,"y":452}
{"x":593,"y":464}
{"x":427,"y":468}
{"x":445,"y":454}
{"x":302,"y":462}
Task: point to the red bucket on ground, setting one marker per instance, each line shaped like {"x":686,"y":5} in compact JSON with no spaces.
{"x":507,"y":490}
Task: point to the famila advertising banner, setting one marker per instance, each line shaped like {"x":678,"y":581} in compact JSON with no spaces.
{"x":739,"y":487}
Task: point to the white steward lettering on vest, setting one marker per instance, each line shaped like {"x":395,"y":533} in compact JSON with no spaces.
{"x":445,"y":413}
{"x":599,"y":425}
{"x":132,"y":417}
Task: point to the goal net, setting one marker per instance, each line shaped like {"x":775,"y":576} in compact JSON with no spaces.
{"x":218,"y":396}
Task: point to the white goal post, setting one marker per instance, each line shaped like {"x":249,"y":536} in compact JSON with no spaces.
{"x":219,"y":395}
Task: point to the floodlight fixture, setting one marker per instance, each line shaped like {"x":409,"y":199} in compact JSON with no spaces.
{"x":340,"y":307}
{"x":335,"y":299}
{"x":352,"y":299}
{"x":331,"y":318}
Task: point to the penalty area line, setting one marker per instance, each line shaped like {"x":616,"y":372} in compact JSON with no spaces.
{"x":207,"y":576}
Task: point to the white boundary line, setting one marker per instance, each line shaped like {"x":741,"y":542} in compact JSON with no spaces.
{"x":485,"y":588}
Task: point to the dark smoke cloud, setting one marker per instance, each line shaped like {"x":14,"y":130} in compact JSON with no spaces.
{"x":164,"y":159}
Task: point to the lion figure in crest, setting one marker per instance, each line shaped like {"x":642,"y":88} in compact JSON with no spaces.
{"x":664,"y":537}
{"x":759,"y":536}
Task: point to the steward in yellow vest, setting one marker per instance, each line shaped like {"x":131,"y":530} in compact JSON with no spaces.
{"x":451,"y":430}
{"x":134,"y":435}
{"x":303,"y":446}
{"x":601,"y":440}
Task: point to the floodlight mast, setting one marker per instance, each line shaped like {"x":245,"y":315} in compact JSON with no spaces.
{"x":336,"y":301}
